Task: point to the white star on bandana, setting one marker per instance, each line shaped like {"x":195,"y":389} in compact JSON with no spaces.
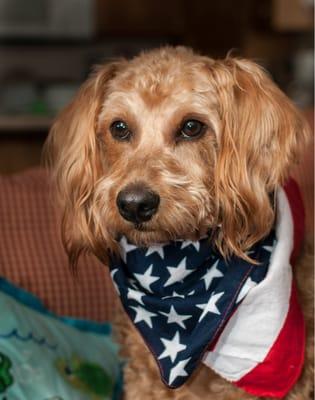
{"x":174,"y":294}
{"x":143,"y":315}
{"x":177,"y":273}
{"x":135,"y":295}
{"x":212,"y":273}
{"x":155,"y":249}
{"x":147,"y":279}
{"x":125,"y":247}
{"x":172,"y":347}
{"x":112,"y":273}
{"x":210,"y":306}
{"x":174,"y":317}
{"x":187,"y":243}
{"x":178,"y":370}
{"x":268,"y":248}
{"x":248,"y":285}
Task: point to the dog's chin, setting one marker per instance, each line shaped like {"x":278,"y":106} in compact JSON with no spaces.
{"x":146,"y":238}
{"x":145,"y":235}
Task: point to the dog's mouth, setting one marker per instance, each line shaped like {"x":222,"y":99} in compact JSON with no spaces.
{"x":145,"y":235}
{"x":142,"y":228}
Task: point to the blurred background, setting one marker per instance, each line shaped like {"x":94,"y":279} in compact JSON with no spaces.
{"x":47,"y":48}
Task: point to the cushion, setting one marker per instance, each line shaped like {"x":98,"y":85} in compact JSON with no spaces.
{"x":32,"y":255}
{"x":45,"y":357}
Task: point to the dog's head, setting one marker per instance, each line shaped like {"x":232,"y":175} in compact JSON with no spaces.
{"x":170,"y":145}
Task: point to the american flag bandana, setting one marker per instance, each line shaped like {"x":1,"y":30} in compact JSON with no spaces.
{"x":180,"y":294}
{"x":241,"y":320}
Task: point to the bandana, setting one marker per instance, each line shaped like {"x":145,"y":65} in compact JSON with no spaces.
{"x":184,"y":299}
{"x":180,"y":294}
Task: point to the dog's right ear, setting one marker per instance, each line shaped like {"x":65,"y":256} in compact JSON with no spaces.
{"x":262,"y":136}
{"x":71,"y":152}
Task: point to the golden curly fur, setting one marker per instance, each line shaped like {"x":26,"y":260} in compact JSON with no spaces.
{"x":223,"y":179}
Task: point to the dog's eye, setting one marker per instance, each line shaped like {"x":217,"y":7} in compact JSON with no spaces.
{"x":191,"y":129}
{"x":120,"y":130}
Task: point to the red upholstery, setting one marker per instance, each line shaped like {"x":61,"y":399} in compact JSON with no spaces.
{"x":32,"y":256}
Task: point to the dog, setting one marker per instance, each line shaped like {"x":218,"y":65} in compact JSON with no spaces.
{"x":165,"y":147}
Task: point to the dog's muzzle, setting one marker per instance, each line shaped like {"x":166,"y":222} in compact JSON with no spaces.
{"x":136,"y":203}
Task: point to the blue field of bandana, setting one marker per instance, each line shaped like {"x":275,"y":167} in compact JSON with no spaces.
{"x":180,"y":295}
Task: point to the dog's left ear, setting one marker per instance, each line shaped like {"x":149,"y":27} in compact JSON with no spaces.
{"x":72,"y":152}
{"x":261,"y":138}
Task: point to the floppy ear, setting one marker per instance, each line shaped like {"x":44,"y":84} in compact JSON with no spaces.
{"x":72,"y":153}
{"x":262,"y":136}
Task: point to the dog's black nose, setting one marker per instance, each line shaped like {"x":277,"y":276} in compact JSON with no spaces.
{"x":137,"y":204}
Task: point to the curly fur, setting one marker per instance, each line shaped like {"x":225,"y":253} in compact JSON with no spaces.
{"x":224,"y":180}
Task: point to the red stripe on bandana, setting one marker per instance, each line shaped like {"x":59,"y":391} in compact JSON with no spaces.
{"x":280,"y":370}
{"x":282,"y":367}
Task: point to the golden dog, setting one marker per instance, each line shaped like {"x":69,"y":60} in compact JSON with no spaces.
{"x":201,"y":144}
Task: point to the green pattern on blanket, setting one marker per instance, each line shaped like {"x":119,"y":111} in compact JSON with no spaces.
{"x":6,"y":379}
{"x":88,"y":377}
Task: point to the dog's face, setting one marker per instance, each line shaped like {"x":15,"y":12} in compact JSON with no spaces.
{"x":170,"y":145}
{"x":157,"y":131}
